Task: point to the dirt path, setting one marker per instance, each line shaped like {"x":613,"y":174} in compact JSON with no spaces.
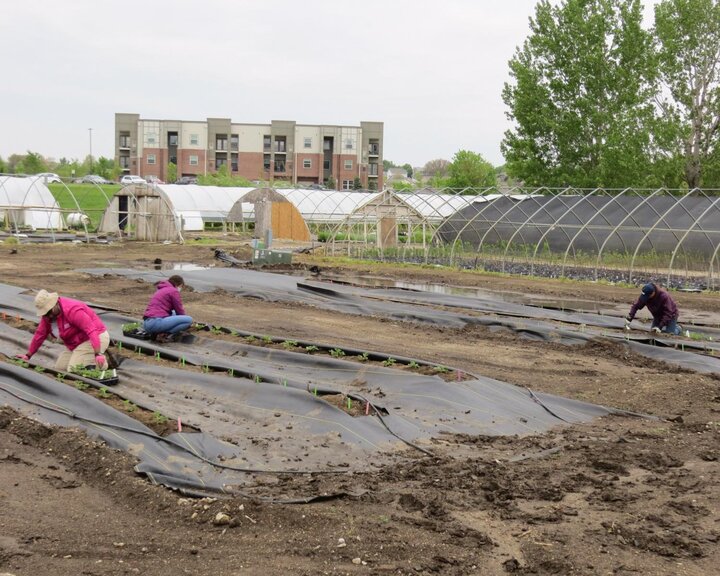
{"x":617,"y":496}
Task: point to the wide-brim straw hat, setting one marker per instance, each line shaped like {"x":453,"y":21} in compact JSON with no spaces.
{"x":45,"y":301}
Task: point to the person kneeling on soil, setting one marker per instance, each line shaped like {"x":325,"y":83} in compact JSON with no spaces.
{"x":662,"y":307}
{"x":164,"y":316}
{"x":79,"y":328}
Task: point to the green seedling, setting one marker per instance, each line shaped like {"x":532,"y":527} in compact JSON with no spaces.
{"x":349,"y":403}
{"x":129,"y":406}
{"x":234,"y":333}
{"x":20,"y":362}
{"x":216,"y":330}
{"x":413,"y":364}
{"x":363,"y":357}
{"x":337,"y":352}
{"x":93,"y":373}
{"x":289,"y":344}
{"x":130,"y":326}
{"x":103,"y":392}
{"x":267,"y":339}
{"x":60,"y":376}
{"x":231,"y":373}
{"x":159,"y":418}
{"x":311,"y":348}
{"x":81,"y":385}
{"x":441,"y":369}
{"x":250,"y":338}
{"x":206,"y":367}
{"x":389,"y":362}
{"x":39,"y":369}
{"x":257,"y":379}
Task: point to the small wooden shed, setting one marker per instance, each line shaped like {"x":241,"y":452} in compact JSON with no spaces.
{"x":272,"y":212}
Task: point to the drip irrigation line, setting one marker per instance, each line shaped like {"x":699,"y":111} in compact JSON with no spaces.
{"x":536,"y":399}
{"x":382,"y":421}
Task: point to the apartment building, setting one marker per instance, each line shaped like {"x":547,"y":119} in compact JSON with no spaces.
{"x":282,"y":150}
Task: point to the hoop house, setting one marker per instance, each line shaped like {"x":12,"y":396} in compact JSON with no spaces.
{"x":673,"y":236}
{"x":26,"y":203}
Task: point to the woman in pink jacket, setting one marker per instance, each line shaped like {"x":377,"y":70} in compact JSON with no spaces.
{"x":80,"y":329}
{"x":165,"y":317}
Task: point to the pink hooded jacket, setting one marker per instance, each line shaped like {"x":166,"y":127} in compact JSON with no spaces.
{"x":77,"y":323}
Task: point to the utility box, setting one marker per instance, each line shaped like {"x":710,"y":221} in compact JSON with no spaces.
{"x":264,"y":256}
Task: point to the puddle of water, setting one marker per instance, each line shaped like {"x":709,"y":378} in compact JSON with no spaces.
{"x":182,"y":266}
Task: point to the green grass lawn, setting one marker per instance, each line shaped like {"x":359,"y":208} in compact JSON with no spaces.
{"x":87,"y":198}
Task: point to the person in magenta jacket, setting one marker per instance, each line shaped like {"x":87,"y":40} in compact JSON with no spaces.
{"x":165,"y":316}
{"x":79,"y":327}
{"x":662,"y":307}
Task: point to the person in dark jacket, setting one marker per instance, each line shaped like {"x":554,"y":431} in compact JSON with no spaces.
{"x":165,"y":316}
{"x":662,"y":307}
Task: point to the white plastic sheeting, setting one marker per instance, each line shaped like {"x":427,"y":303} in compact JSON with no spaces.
{"x":27,"y":202}
{"x":197,"y":205}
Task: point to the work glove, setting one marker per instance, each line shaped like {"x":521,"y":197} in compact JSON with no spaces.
{"x":656,"y":330}
{"x":23,"y":357}
{"x":101,"y":362}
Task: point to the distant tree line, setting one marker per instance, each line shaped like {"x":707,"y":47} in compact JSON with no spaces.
{"x":34,"y":163}
{"x":597,"y":100}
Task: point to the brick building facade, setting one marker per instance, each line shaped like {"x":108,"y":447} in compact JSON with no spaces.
{"x":282,"y":150}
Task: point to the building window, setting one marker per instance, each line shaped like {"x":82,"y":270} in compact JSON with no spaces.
{"x":151,"y":139}
{"x":280,"y":143}
{"x":348,"y":164}
{"x":280,"y":165}
{"x":220,"y":162}
{"x":172,"y":139}
{"x":194,"y":161}
{"x":326,"y":165}
{"x":194,"y":139}
{"x":266,"y":162}
{"x":307,"y":143}
{"x":307,"y":163}
{"x":266,"y":142}
{"x":373,"y":169}
{"x":347,"y":184}
{"x":151,"y":159}
{"x":234,"y":142}
{"x":124,"y":141}
{"x":221,"y":142}
{"x":349,"y":144}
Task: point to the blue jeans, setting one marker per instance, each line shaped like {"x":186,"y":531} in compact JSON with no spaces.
{"x":671,"y":328}
{"x":167,"y":325}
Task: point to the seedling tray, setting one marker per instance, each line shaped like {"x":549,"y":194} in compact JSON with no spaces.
{"x":138,"y":333}
{"x":106,"y":381}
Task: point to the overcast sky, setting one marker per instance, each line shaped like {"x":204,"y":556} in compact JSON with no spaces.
{"x":432,"y":71}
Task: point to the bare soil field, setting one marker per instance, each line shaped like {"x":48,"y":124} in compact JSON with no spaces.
{"x":619,"y":495}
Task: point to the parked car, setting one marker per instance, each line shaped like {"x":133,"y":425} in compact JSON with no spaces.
{"x":132,"y":179}
{"x":187,"y":180}
{"x":154,"y":180}
{"x":93,"y":179}
{"x":49,"y":177}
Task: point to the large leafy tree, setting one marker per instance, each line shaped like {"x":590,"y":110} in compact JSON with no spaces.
{"x":688,"y":48}
{"x":581,"y":96}
{"x":470,"y":170}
